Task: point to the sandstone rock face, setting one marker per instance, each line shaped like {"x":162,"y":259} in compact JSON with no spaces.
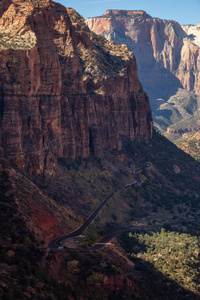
{"x":168,"y":55}
{"x":64,"y":91}
{"x":193,"y":32}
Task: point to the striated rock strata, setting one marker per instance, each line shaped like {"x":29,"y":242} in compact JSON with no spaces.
{"x":168,"y":56}
{"x":64,"y":91}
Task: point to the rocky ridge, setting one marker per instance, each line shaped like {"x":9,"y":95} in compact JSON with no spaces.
{"x":64,"y":91}
{"x":168,"y":57}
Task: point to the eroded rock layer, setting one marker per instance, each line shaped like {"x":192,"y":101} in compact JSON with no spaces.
{"x":168,"y":56}
{"x":64,"y":91}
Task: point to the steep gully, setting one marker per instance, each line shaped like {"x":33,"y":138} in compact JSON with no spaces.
{"x":56,"y":242}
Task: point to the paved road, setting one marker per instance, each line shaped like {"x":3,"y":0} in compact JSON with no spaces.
{"x":107,"y":238}
{"x":56,"y":243}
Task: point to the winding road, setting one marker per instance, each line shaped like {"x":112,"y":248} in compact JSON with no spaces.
{"x":107,"y":238}
{"x":56,"y":242}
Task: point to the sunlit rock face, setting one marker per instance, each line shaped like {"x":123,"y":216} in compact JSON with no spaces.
{"x":64,"y":92}
{"x":168,"y":55}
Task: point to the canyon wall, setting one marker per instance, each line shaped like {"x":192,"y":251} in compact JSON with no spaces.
{"x":168,"y":58}
{"x":64,"y":91}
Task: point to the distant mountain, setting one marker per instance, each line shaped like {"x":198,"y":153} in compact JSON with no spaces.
{"x":76,"y":131}
{"x":168,"y":59}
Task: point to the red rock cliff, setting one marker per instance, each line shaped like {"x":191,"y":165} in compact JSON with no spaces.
{"x":168,"y":56}
{"x":64,"y":92}
{"x":157,"y":43}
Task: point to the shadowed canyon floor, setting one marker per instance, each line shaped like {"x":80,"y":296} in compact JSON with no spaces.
{"x":61,"y":202}
{"x":75,"y":136}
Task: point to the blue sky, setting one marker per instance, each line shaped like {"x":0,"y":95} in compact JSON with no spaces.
{"x":182,"y":11}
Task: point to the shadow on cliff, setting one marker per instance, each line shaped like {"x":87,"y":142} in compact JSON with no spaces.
{"x":159,"y":83}
{"x":159,"y":86}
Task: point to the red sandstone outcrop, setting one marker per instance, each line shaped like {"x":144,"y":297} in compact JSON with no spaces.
{"x":64,"y":92}
{"x":168,"y":56}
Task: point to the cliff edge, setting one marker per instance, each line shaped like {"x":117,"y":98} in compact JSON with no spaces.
{"x":64,"y":91}
{"x":168,"y":59}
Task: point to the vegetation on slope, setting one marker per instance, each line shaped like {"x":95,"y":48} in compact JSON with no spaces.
{"x":168,"y":197}
{"x":179,"y":114}
{"x":190,"y":143}
{"x":21,"y":254}
{"x":174,"y":254}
